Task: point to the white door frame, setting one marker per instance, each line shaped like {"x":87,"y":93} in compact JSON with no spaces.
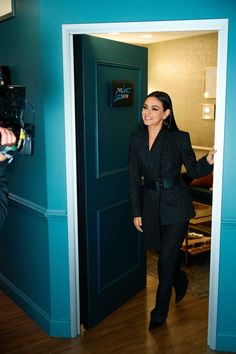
{"x":220,"y":25}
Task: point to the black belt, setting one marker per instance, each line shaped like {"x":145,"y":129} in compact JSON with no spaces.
{"x":161,"y":183}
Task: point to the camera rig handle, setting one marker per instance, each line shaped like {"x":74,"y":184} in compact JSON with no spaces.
{"x":12,"y":106}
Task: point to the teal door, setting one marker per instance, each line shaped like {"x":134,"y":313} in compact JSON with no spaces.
{"x":110,"y":86}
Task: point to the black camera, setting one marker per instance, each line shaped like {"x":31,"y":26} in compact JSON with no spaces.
{"x":5,"y":75}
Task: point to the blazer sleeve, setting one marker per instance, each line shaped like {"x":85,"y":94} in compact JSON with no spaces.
{"x":195,"y":168}
{"x":134,"y":180}
{"x":3,"y":194}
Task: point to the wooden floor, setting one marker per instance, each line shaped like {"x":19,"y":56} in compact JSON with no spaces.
{"x":123,"y":332}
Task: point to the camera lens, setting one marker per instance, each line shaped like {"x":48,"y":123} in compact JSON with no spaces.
{"x":5,"y":75}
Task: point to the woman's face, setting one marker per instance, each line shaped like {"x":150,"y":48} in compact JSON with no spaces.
{"x":153,"y":112}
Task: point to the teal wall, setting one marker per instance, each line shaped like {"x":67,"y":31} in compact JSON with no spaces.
{"x":33,"y":243}
{"x":31,"y":44}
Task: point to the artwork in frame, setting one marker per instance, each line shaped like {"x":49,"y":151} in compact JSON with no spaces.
{"x":210,"y":82}
{"x":122,"y":93}
{"x":7,"y":9}
{"x":208,"y":111}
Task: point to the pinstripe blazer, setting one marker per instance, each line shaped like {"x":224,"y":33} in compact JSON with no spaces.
{"x":169,"y":152}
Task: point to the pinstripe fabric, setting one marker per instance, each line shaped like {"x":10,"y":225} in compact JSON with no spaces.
{"x":170,"y":151}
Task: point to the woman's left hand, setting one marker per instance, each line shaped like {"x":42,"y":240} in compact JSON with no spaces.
{"x":210,"y":156}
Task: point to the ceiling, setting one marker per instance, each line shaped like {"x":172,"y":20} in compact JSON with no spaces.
{"x":149,"y":37}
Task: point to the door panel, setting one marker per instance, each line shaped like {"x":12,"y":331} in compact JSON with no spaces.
{"x":112,"y":260}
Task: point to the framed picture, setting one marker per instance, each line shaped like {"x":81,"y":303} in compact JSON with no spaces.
{"x":208,"y":111}
{"x":7,"y":9}
{"x":122,"y":93}
{"x":210,"y":82}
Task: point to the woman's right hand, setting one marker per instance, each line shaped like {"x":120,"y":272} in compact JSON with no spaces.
{"x":210,"y":156}
{"x":138,"y":223}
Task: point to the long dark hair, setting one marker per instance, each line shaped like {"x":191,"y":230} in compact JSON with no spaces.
{"x":169,"y":123}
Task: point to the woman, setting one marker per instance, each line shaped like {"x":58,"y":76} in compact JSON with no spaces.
{"x":160,"y":200}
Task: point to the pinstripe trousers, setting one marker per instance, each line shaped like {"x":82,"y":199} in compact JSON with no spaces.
{"x":168,"y":267}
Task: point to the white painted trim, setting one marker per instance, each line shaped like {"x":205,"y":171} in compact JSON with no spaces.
{"x":71,"y":179}
{"x":217,"y":182}
{"x":152,"y":26}
{"x":220,"y":25}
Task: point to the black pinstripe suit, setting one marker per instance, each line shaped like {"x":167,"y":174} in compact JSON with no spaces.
{"x":168,"y":206}
{"x":165,"y":212}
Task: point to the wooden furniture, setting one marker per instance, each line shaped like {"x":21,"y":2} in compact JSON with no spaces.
{"x":200,"y":241}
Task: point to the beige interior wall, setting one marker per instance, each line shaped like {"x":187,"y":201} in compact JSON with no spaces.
{"x":178,"y":68}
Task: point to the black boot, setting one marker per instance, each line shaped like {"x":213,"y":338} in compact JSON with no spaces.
{"x":155,"y":324}
{"x":180,"y":285}
{"x":157,"y":319}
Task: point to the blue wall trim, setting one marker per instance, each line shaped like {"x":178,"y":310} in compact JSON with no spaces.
{"x":20,"y":202}
{"x":226,"y":341}
{"x":229,"y":222}
{"x":54,"y":327}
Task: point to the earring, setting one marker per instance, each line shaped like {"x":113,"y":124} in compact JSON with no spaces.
{"x":165,"y":123}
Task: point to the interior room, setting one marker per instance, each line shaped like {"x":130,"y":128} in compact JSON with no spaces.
{"x":184,"y":65}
